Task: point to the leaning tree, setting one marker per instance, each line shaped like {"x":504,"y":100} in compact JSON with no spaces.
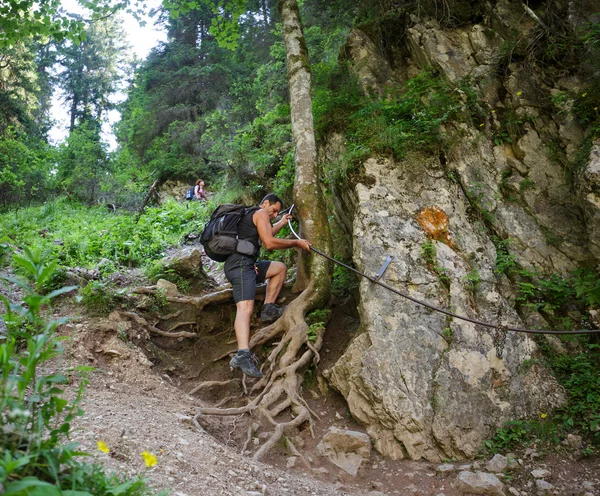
{"x":279,"y":388}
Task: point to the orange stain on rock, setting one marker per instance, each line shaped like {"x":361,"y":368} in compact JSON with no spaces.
{"x":434,"y":222}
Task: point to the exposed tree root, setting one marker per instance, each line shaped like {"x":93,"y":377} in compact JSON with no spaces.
{"x":181,"y":324}
{"x":155,"y":330}
{"x":171,"y":315}
{"x":199,"y":302}
{"x":211,"y":384}
{"x":278,"y":390}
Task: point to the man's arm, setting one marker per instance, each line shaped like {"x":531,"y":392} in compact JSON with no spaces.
{"x":270,"y":242}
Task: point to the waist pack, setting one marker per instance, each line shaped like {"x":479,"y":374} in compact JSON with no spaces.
{"x":189,"y":195}
{"x":220,"y":235}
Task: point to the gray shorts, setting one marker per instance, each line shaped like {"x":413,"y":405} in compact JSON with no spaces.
{"x":244,"y":273}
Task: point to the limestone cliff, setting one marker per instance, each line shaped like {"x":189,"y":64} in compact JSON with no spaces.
{"x":426,"y":385}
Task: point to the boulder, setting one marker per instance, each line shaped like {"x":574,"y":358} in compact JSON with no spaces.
{"x":345,"y":449}
{"x":187,"y":262}
{"x":543,"y":487}
{"x":168,"y":287}
{"x":479,"y":483}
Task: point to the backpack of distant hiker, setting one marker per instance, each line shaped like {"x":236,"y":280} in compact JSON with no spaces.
{"x":220,"y":235}
{"x":189,"y":195}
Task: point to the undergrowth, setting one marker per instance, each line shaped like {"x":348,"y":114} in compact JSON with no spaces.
{"x":36,"y":413}
{"x":80,"y":236}
{"x":575,"y":364}
{"x":577,"y":372}
{"x":408,"y":117}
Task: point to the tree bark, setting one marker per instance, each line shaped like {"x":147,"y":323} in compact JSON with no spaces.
{"x":308,"y":197}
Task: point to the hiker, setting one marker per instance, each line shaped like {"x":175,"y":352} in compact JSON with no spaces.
{"x":199,"y":193}
{"x":244,"y":272}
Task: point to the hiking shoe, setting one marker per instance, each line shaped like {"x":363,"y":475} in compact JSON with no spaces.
{"x":271,"y":312}
{"x":246,"y":362}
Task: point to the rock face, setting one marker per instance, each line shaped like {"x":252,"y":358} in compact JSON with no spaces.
{"x":424,"y":384}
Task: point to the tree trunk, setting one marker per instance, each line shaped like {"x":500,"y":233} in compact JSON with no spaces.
{"x":283,"y":368}
{"x":308,"y":196}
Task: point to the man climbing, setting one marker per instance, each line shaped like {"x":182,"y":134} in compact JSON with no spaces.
{"x":244,"y":272}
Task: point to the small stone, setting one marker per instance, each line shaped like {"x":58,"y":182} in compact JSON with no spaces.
{"x":540,"y":473}
{"x":377,"y":485}
{"x":497,"y":464}
{"x":291,"y":462}
{"x":543,"y":487}
{"x":321,"y":470}
{"x":253,"y":493}
{"x":514,"y":491}
{"x":445,"y":468}
{"x":574,"y":441}
{"x":588,"y":486}
{"x":375,"y":493}
{"x":479,"y":483}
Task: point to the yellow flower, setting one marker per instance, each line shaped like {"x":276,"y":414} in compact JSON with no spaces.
{"x":149,"y":459}
{"x":585,"y":94}
{"x":493,"y":111}
{"x":596,"y":109}
{"x":519,"y":93}
{"x":481,"y":125}
{"x":543,"y":415}
{"x":102,"y":446}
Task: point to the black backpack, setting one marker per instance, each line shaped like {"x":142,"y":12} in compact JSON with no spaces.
{"x":220,"y":235}
{"x":190,"y":193}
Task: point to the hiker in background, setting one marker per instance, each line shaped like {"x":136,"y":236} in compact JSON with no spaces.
{"x":199,"y":193}
{"x":244,"y":272}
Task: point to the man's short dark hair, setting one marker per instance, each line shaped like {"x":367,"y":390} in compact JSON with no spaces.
{"x":273,"y":199}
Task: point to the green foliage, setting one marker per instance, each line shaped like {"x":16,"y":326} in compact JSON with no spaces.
{"x":344,"y":280}
{"x":317,"y":321}
{"x":553,"y":295}
{"x":82,"y":162}
{"x":97,"y":297}
{"x":83,"y":237}
{"x":408,"y":117}
{"x":429,"y":254}
{"x":35,"y":411}
{"x":522,"y":432}
{"x":472,"y":279}
{"x":505,"y":261}
{"x":578,"y":373}
{"x":25,"y":166}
